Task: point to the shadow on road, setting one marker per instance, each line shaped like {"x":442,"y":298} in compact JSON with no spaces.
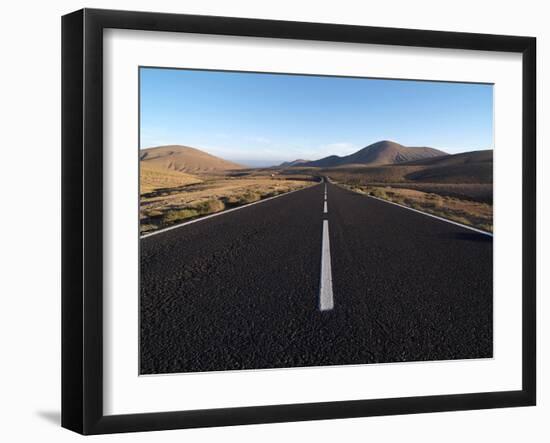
{"x":468,"y":236}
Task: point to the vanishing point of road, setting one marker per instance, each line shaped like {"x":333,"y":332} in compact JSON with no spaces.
{"x":321,"y":276}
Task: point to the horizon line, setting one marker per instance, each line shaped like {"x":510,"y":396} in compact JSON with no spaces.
{"x":281,"y":160}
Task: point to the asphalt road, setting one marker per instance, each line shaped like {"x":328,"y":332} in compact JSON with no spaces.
{"x":242,"y":290}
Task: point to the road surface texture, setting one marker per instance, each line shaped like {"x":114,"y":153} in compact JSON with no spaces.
{"x":242,"y":290}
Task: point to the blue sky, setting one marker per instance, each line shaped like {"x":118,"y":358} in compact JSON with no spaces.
{"x":264,"y":119}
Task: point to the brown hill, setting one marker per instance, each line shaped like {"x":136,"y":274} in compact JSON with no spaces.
{"x":293,"y":163}
{"x":485,"y":156}
{"x":381,"y":153}
{"x":464,"y":168}
{"x":468,"y":167}
{"x":153,"y":178}
{"x":184,"y":159}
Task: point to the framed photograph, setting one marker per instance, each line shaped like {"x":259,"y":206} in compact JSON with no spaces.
{"x":268,"y":221}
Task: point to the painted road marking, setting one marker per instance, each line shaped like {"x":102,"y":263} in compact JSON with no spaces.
{"x":326,"y":301}
{"x":160,"y":231}
{"x":325,"y":208}
{"x":490,"y":234}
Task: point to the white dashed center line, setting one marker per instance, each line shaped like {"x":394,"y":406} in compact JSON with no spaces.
{"x":326,"y":300}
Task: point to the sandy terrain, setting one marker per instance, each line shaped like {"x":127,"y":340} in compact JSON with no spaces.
{"x":165,"y":207}
{"x":468,"y":212}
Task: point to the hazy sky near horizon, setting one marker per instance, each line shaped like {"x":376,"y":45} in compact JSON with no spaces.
{"x":264,"y":119}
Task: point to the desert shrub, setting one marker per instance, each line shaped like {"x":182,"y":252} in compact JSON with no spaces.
{"x":209,"y":206}
{"x":459,"y":219}
{"x":231,"y":200}
{"x":179,"y":214}
{"x":153,"y":213}
{"x":147,"y":227}
{"x":248,"y":197}
{"x":434,"y":204}
{"x":273,"y":193}
{"x":380,"y":193}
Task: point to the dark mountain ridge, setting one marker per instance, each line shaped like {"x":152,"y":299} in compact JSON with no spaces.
{"x":380,"y":153}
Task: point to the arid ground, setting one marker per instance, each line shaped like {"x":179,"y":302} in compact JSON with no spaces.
{"x":178,"y":183}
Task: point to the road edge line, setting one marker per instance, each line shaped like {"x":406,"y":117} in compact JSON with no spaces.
{"x":180,"y":225}
{"x":490,"y":234}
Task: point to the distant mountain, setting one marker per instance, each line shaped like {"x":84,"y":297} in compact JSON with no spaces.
{"x":293,"y":163}
{"x":463,"y":158}
{"x":475,"y":167}
{"x":468,"y":167}
{"x":326,"y":162}
{"x":184,"y":159}
{"x":381,"y":153}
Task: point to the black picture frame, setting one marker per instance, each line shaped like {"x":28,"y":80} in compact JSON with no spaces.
{"x":82,"y":215}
